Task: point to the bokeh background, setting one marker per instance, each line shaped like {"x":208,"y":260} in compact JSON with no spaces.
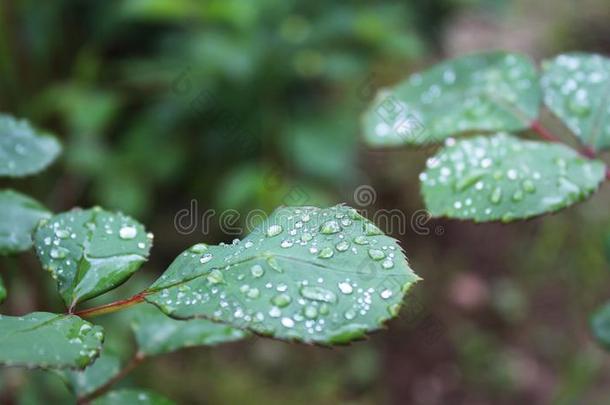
{"x":246,"y":105}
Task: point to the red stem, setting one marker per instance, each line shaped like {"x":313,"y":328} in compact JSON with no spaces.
{"x":112,"y":307}
{"x":544,"y":133}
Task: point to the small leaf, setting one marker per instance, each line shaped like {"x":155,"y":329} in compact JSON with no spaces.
{"x":505,"y":178}
{"x":90,"y":252}
{"x":19,"y":215}
{"x":44,"y":340}
{"x":484,"y":92}
{"x":84,"y":382}
{"x":577,"y":89}
{"x":327,"y":276}
{"x":2,"y":291}
{"x":600,"y":324}
{"x":132,"y":397}
{"x":156,"y":333}
{"x":23,"y":150}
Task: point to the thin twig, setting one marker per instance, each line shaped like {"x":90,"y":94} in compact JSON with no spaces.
{"x":136,"y":360}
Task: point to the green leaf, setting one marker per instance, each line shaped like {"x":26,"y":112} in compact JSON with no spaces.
{"x":2,"y":291}
{"x":600,"y":324}
{"x":313,"y":275}
{"x":19,"y":215}
{"x":44,"y":340}
{"x":577,"y":89}
{"x":484,"y":92}
{"x":132,"y":397}
{"x":23,"y":150}
{"x":90,"y":252}
{"x":505,"y":178}
{"x":84,"y":382}
{"x":157,"y":334}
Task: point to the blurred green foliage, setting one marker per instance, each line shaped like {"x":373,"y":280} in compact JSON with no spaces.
{"x":247,"y":105}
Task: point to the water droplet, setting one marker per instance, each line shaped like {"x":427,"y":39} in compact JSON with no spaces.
{"x":287,"y":244}
{"x":580,"y":104}
{"x":342,"y":246}
{"x":330,"y":228}
{"x":206,"y":258}
{"x":361,"y":240}
{"x":517,"y":196}
{"x":253,"y":293}
{"x":385,"y":294}
{"x":326,"y":253}
{"x":257,"y":271}
{"x":350,"y":314}
{"x":528,"y":186}
{"x":274,"y":230}
{"x":128,"y":232}
{"x":376,"y":254}
{"x":310,"y":312}
{"x":215,"y":277}
{"x":496,"y":196}
{"x":281,"y":300}
{"x":346,"y":288}
{"x":272,"y":262}
{"x":388,"y":264}
{"x":318,"y":294}
{"x":199,"y":248}
{"x":287,"y":322}
{"x":371,"y":230}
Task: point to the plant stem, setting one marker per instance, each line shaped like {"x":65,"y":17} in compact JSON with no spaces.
{"x":112,"y":307}
{"x":544,"y":133}
{"x":135,"y":361}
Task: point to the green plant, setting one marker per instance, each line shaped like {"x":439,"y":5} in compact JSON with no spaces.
{"x":319,"y":276}
{"x":489,"y":174}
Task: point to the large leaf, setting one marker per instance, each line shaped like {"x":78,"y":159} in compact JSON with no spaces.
{"x":577,"y":89}
{"x":156,"y":333}
{"x":89,"y":252}
{"x":84,"y":382}
{"x":505,"y":178}
{"x":132,"y":397}
{"x":48,"y":341}
{"x":19,"y":215}
{"x":2,"y":291}
{"x":308,"y":274}
{"x":493,"y":91}
{"x":600,"y":324}
{"x":23,"y":150}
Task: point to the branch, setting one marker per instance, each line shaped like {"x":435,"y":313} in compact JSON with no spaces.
{"x":136,"y":360}
{"x":112,"y":307}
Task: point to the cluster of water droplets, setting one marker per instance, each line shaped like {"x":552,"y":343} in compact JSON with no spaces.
{"x":576,"y":87}
{"x":307,"y":273}
{"x":504,"y":178}
{"x":95,"y":236}
{"x":57,"y":341}
{"x":478,"y":92}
